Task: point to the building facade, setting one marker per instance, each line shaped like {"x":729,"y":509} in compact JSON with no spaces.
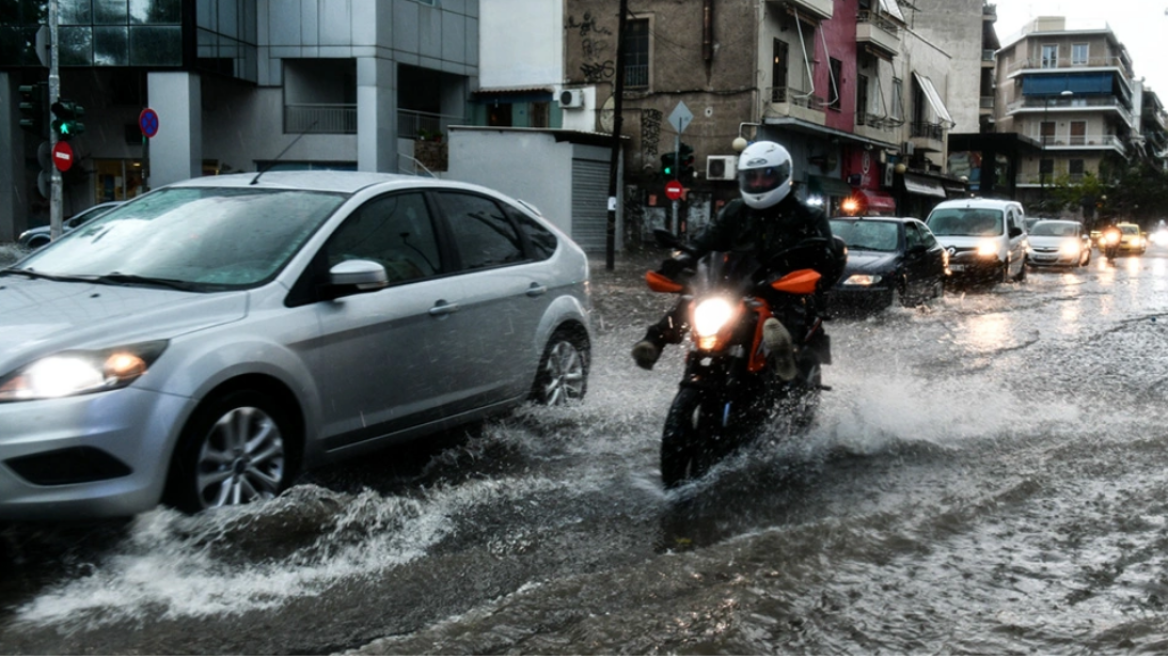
{"x":237,"y":85}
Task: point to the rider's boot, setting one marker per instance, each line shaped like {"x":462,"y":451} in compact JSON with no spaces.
{"x":780,"y":348}
{"x":648,"y":350}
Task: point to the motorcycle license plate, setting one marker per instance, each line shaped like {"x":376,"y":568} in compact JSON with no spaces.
{"x":957,"y":267}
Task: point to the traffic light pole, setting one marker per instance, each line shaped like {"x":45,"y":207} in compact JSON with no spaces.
{"x":677,"y":228}
{"x":54,"y":94}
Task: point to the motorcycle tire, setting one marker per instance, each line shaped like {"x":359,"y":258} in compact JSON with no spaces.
{"x":690,"y":438}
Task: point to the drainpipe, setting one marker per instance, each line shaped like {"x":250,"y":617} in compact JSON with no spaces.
{"x":708,"y":30}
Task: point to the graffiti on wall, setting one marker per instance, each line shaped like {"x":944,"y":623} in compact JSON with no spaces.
{"x":650,"y":134}
{"x":594,"y":66}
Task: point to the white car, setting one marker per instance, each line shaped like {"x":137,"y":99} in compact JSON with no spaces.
{"x":203,"y":343}
{"x":985,"y":238}
{"x":1058,"y":243}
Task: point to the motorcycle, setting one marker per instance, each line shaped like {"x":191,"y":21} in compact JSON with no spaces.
{"x":730,"y":389}
{"x":1110,"y":244}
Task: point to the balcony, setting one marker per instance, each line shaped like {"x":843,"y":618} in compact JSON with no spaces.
{"x":795,"y":103}
{"x":879,"y":33}
{"x":412,"y":123}
{"x":818,"y":9}
{"x":1081,"y":142}
{"x":320,"y":118}
{"x":1041,"y":64}
{"x":1044,"y":104}
{"x":986,"y":105}
{"x":988,"y":60}
{"x":989,"y":12}
{"x":928,"y":136}
{"x":876,"y":128}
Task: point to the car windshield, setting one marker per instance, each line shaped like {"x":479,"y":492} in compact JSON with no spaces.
{"x":966,"y":222}
{"x":867,"y":235}
{"x":1130,"y":229}
{"x":1054,"y":229}
{"x":202,"y":238}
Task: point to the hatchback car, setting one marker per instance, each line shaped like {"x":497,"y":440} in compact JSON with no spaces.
{"x":203,"y":343}
{"x":890,"y":261}
{"x":34,"y":238}
{"x":1058,"y":243}
{"x":1132,"y":239}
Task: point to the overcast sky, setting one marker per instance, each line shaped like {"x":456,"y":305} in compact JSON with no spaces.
{"x":1141,"y":25}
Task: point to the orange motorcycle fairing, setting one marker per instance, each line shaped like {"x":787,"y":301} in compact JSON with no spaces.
{"x":660,"y":283}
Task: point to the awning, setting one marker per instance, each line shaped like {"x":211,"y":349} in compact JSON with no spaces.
{"x":876,"y":202}
{"x":915,"y":184}
{"x":892,"y":8}
{"x":827,"y":186}
{"x":934,"y":97}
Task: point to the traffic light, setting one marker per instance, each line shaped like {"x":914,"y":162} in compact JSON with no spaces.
{"x":686,"y":165}
{"x":65,"y":123}
{"x":32,"y":108}
{"x":669,"y":164}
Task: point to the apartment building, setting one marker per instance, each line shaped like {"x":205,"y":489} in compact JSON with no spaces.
{"x":1072,"y":90}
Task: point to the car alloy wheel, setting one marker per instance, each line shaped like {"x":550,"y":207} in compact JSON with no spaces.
{"x":563,"y":371}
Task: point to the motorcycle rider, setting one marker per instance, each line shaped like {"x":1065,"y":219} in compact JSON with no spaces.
{"x":767,"y":219}
{"x":1109,"y":239}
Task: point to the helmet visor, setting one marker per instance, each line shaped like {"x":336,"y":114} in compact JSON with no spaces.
{"x":762,"y":180}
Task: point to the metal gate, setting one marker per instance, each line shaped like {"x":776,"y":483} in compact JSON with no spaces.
{"x":590,"y":204}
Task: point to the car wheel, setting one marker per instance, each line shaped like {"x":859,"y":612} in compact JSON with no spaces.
{"x":562,"y":377}
{"x":1086,"y":259}
{"x":236,"y":449}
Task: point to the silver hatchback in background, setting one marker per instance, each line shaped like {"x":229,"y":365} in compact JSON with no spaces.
{"x":204,"y":343}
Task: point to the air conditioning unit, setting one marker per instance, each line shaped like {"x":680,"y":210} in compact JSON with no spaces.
{"x":572,"y":98}
{"x":721,"y":167}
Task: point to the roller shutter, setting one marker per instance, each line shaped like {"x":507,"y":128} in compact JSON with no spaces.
{"x":590,"y":204}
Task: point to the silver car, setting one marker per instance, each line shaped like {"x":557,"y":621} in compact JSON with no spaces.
{"x":204,"y":343}
{"x":34,"y":238}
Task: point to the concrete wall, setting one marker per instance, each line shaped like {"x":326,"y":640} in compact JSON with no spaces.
{"x":955,"y":26}
{"x":535,"y":58}
{"x":921,"y":56}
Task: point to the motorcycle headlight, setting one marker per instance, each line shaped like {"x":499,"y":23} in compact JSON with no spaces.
{"x":987,"y":248}
{"x":862,"y":279}
{"x":70,"y":373}
{"x":711,"y":315}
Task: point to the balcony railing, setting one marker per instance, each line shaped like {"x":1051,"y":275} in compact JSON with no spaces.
{"x":1086,"y":141}
{"x":989,"y":10}
{"x":320,"y":118}
{"x":1045,"y":103}
{"x":928,"y":131}
{"x":637,"y":76}
{"x":1067,"y":62}
{"x":879,"y":20}
{"x":796,"y":96}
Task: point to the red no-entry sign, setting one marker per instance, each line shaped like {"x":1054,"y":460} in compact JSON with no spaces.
{"x":62,"y":156}
{"x":673,"y":190}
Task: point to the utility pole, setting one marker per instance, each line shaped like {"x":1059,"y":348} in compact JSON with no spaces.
{"x":617,"y":121}
{"x":54,"y":96}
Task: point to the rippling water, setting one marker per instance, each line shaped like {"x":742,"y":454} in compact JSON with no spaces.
{"x":986,"y":477}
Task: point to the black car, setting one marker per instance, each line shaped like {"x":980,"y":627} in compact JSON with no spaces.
{"x":891,"y":261}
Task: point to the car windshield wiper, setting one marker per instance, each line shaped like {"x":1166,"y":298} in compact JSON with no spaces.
{"x":44,"y":276}
{"x":116,"y":278}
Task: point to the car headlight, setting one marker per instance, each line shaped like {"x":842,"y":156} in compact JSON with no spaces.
{"x":987,"y":248}
{"x":862,"y":279}
{"x":1069,"y":248}
{"x":710,"y":315}
{"x":69,"y":373}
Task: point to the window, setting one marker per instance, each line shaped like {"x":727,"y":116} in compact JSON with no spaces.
{"x":1050,"y":56}
{"x":1076,"y":169}
{"x":861,"y":99}
{"x":636,"y":53}
{"x":779,"y":72}
{"x":541,"y":243}
{"x":1046,"y":132}
{"x":394,"y":231}
{"x":835,"y":83}
{"x":1078,"y":133}
{"x":539,"y":115}
{"x":1046,"y":166}
{"x":1079,"y":54}
{"x":482,"y":232}
{"x":897,"y":99}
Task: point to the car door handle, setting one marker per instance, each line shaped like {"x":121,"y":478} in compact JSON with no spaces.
{"x":442,"y":308}
{"x":536,"y":289}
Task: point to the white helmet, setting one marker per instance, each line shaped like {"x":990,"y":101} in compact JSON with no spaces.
{"x":764,"y":174}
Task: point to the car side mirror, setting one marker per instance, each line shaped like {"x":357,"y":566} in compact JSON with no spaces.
{"x":1015,"y":231}
{"x":355,"y":277}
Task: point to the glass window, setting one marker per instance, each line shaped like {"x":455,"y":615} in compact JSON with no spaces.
{"x":897,"y":96}
{"x":1050,"y":56}
{"x":75,"y":13}
{"x":636,"y":46}
{"x":541,"y":242}
{"x":867,"y":235}
{"x":156,"y":12}
{"x":1046,"y":166}
{"x":394,"y":231}
{"x":833,"y":91}
{"x":110,"y":12}
{"x":484,"y":236}
{"x":1079,"y":54}
{"x":76,"y":46}
{"x":970,"y":221}
{"x":912,"y":237}
{"x":111,"y":46}
{"x":156,"y":46}
{"x":1076,"y":167}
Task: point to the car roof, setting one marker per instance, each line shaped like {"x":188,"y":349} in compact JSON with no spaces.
{"x":346,"y":182}
{"x":984,"y":203}
{"x":896,"y":219}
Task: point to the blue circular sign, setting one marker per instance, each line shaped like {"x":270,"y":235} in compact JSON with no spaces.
{"x":148,"y":122}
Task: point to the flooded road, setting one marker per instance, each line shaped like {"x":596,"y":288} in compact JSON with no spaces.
{"x":987,"y":475}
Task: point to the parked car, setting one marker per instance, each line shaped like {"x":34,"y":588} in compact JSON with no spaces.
{"x":34,"y":238}
{"x":891,"y":261}
{"x":204,"y":343}
{"x":1058,"y":243}
{"x":986,"y":238}
{"x":1132,"y":239}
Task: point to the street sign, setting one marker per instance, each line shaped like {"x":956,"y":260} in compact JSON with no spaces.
{"x":680,"y":117}
{"x":62,"y":156}
{"x":148,"y":122}
{"x":673,"y":190}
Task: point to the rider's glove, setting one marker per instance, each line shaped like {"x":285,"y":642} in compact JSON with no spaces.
{"x":672,"y":267}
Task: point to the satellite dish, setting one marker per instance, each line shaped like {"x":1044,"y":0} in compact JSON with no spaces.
{"x":607,"y":112}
